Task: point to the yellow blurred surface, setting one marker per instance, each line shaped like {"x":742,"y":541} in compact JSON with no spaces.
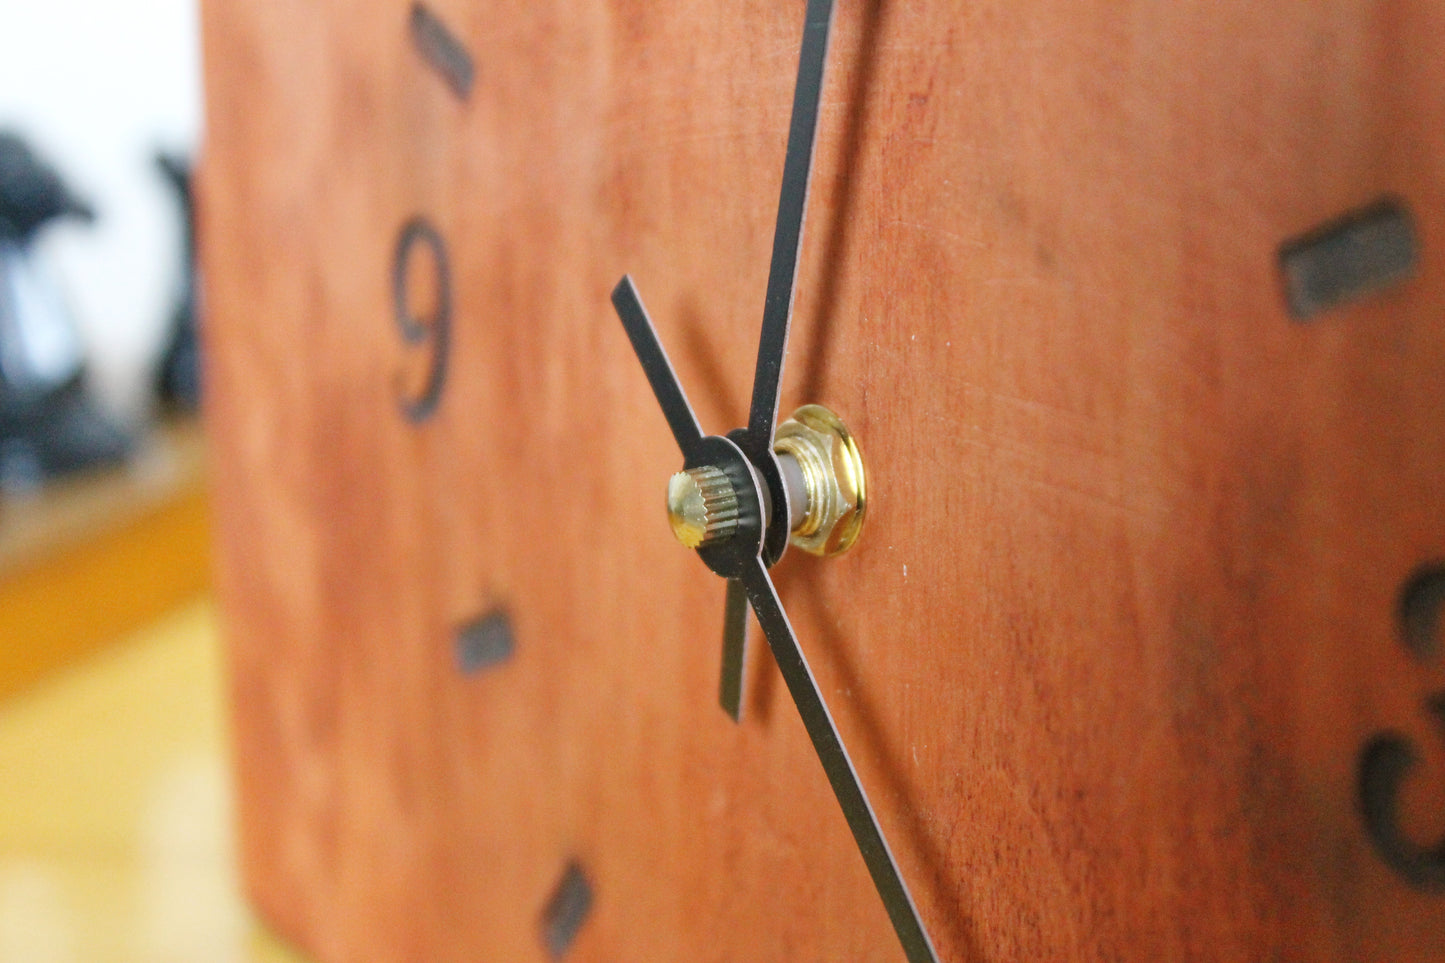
{"x":115,"y":809}
{"x":91,"y":557}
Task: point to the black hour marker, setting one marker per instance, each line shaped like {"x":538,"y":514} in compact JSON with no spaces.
{"x":1384,"y":765}
{"x":440,"y":48}
{"x":566,"y":911}
{"x":1358,"y":254}
{"x":1422,"y":612}
{"x":1390,"y":757}
{"x":414,"y":330}
{"x":484,"y":643}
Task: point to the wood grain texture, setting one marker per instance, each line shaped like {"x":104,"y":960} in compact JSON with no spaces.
{"x":1124,"y":613}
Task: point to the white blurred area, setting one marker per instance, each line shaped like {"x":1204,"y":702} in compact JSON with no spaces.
{"x":97,"y":87}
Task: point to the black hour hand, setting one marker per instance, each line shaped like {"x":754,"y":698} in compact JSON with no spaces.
{"x":665,"y":386}
{"x":685,"y":429}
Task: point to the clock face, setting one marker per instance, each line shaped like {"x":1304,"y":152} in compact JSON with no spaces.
{"x":1134,"y":314}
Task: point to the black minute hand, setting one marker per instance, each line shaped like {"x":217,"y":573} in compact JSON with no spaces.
{"x":757,"y":444}
{"x":788,"y":235}
{"x":756,"y":440}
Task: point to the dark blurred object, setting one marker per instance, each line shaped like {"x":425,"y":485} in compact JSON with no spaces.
{"x":31,"y":192}
{"x":48,"y":423}
{"x":179,"y":379}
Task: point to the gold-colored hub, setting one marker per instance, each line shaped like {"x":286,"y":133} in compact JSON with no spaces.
{"x":823,"y":469}
{"x":834,"y":482}
{"x":702,"y":506}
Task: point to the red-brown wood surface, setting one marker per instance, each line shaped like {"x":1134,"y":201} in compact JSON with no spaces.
{"x":1122,"y":620}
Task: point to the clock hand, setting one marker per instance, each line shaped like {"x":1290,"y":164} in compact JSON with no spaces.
{"x":750,"y":573}
{"x":665,"y":386}
{"x":756,"y":440}
{"x":739,"y":558}
{"x":788,"y":234}
{"x":839,"y":768}
{"x":735,"y":647}
{"x":685,"y":429}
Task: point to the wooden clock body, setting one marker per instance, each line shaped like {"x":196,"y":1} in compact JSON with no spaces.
{"x":1126,"y":616}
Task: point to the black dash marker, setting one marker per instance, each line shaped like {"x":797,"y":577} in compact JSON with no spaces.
{"x":484,"y":643}
{"x":1358,"y":254}
{"x":566,"y":911}
{"x":440,"y":47}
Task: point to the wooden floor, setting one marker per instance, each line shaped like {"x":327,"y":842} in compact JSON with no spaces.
{"x":115,"y":809}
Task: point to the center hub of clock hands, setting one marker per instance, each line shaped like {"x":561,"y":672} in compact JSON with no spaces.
{"x":720,"y":503}
{"x":702,"y":506}
{"x":821,"y":470}
{"x":738,"y":501}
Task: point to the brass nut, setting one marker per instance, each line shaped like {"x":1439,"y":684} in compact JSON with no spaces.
{"x":833,"y":476}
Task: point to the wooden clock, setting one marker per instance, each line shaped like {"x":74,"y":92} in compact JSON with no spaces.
{"x":1114,"y":336}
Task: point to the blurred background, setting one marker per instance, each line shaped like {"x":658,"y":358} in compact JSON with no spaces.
{"x":115,"y":825}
